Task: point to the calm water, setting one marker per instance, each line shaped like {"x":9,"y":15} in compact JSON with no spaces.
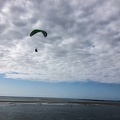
{"x":37,"y":111}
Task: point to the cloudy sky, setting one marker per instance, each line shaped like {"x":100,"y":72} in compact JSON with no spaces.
{"x":82,"y":46}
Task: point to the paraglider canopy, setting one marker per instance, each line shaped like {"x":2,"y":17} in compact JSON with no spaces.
{"x":36,"y":31}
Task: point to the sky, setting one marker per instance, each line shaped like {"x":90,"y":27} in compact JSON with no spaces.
{"x":80,"y":57}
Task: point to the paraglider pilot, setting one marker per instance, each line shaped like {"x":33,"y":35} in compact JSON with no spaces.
{"x":36,"y":50}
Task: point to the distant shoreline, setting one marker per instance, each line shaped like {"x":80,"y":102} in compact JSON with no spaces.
{"x":66,"y":101}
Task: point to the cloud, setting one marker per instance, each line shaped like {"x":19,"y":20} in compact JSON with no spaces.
{"x":83,"y":40}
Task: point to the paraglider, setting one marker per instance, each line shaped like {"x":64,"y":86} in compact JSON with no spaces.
{"x":37,"y":31}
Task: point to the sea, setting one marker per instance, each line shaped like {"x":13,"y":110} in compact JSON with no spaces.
{"x":28,"y":108}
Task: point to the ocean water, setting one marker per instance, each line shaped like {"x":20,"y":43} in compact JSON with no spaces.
{"x":57,"y":111}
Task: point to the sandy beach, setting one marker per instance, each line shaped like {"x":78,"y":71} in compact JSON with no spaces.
{"x":65,"y":101}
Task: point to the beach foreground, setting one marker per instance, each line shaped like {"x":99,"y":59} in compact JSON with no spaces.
{"x":22,"y":108}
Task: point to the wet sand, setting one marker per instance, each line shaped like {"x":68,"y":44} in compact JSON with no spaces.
{"x":58,"y":101}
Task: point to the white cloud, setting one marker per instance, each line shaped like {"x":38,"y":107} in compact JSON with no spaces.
{"x":83,"y":40}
